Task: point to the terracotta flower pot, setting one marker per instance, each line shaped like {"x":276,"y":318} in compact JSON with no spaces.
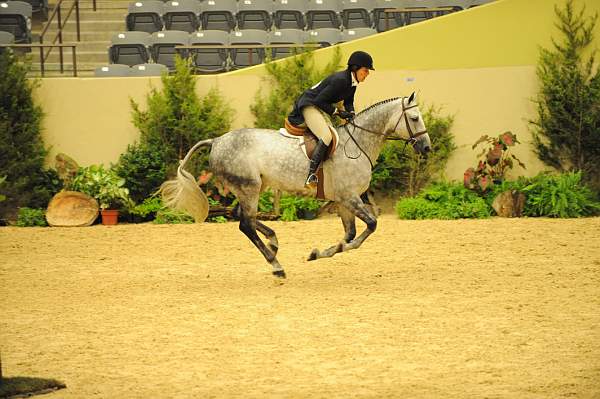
{"x":109,"y":216}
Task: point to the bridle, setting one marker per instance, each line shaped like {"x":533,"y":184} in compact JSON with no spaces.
{"x":412,"y":140}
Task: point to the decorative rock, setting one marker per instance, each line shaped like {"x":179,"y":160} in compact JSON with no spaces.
{"x":509,"y":204}
{"x":66,"y":167}
{"x":71,"y":209}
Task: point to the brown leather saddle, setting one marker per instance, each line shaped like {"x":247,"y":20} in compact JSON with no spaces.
{"x":310,"y":143}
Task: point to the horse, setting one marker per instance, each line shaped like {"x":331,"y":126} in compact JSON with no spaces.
{"x":249,"y":160}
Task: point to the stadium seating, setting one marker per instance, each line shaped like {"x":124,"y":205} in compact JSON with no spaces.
{"x":129,"y":48}
{"x":285,"y":36}
{"x":15,"y":18}
{"x":324,"y":36}
{"x":357,"y":13}
{"x":218,"y":14}
{"x":241,"y":58}
{"x":6,"y":37}
{"x":39,"y":6}
{"x":182,"y":15}
{"x":383,"y":21}
{"x":323,"y":14}
{"x":113,"y":70}
{"x":210,"y":60}
{"x":351,"y":34}
{"x":145,"y":16}
{"x":254,"y":22}
{"x":148,"y":70}
{"x":289,"y":14}
{"x":162,"y":46}
{"x":254,"y":14}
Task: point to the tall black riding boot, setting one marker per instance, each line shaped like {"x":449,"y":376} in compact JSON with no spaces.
{"x":315,"y":161}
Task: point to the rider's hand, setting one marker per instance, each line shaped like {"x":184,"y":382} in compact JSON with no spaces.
{"x":345,"y":114}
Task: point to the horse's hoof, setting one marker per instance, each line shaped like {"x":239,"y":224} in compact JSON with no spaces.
{"x":279,"y":273}
{"x":314,"y":255}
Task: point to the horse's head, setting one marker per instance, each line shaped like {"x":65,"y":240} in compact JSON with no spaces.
{"x":407,"y":124}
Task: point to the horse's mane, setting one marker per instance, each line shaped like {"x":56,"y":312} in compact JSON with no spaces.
{"x":379,"y":103}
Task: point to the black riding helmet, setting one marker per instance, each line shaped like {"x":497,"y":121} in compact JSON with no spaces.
{"x":361,"y":59}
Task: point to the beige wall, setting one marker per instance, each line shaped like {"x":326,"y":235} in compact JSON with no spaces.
{"x":479,"y":65}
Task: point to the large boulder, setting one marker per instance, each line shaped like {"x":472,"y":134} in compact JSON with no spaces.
{"x":71,"y":209}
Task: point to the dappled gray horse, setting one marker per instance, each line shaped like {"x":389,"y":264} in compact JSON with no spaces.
{"x":247,"y":161}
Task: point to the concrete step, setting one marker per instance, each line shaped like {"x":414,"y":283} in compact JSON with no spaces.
{"x":86,"y":36}
{"x":92,"y":25}
{"x":97,"y":45}
{"x":67,"y":66}
{"x":83,"y":57}
{"x":108,"y":14}
{"x":105,"y":4}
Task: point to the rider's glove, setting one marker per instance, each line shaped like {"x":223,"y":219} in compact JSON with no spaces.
{"x":345,"y":114}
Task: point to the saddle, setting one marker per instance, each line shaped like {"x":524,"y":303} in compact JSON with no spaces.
{"x":310,"y":139}
{"x":308,"y":144}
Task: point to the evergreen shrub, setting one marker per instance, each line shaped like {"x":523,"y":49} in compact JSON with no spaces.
{"x":567,"y":128}
{"x":28,"y":183}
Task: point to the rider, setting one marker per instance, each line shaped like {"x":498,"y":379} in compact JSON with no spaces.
{"x":311,"y":107}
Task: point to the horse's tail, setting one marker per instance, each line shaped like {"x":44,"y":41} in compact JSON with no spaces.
{"x":183,"y":192}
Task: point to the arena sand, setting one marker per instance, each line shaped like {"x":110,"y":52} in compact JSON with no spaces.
{"x":498,"y":308}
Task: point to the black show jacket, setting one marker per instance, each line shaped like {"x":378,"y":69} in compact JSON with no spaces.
{"x":329,"y":91}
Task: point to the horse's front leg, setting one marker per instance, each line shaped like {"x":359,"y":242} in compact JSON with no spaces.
{"x":348,"y":210}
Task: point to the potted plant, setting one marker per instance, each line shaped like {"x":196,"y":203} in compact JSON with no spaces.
{"x":307,"y":207}
{"x":106,"y":187}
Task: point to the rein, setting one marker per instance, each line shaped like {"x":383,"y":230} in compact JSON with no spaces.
{"x":412,"y":139}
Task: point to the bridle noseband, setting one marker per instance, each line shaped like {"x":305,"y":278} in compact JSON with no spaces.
{"x":412,"y":140}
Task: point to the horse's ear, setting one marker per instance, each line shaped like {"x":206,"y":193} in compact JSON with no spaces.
{"x":412,"y":97}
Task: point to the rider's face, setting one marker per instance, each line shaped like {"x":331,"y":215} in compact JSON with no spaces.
{"x":362,"y":73}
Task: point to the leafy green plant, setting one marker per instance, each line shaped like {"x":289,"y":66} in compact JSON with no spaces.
{"x":28,"y":183}
{"x":104,"y":185}
{"x":144,"y":169}
{"x":218,"y":219}
{"x":170,"y":216}
{"x":286,"y":80}
{"x":402,"y":170}
{"x":443,"y":201}
{"x":176,"y":118}
{"x":561,"y":196}
{"x":289,"y":211}
{"x":265,"y":201}
{"x":30,"y":217}
{"x":150,"y":206}
{"x":292,"y":207}
{"x":496,"y":161}
{"x":566,"y":133}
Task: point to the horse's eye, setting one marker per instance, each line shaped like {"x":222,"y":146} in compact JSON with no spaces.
{"x":415,"y":118}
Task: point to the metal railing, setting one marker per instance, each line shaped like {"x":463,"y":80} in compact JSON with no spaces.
{"x":42,"y":47}
{"x":57,"y":12}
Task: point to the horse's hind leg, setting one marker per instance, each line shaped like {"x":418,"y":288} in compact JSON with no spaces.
{"x":270,"y":234}
{"x":249,"y":225}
